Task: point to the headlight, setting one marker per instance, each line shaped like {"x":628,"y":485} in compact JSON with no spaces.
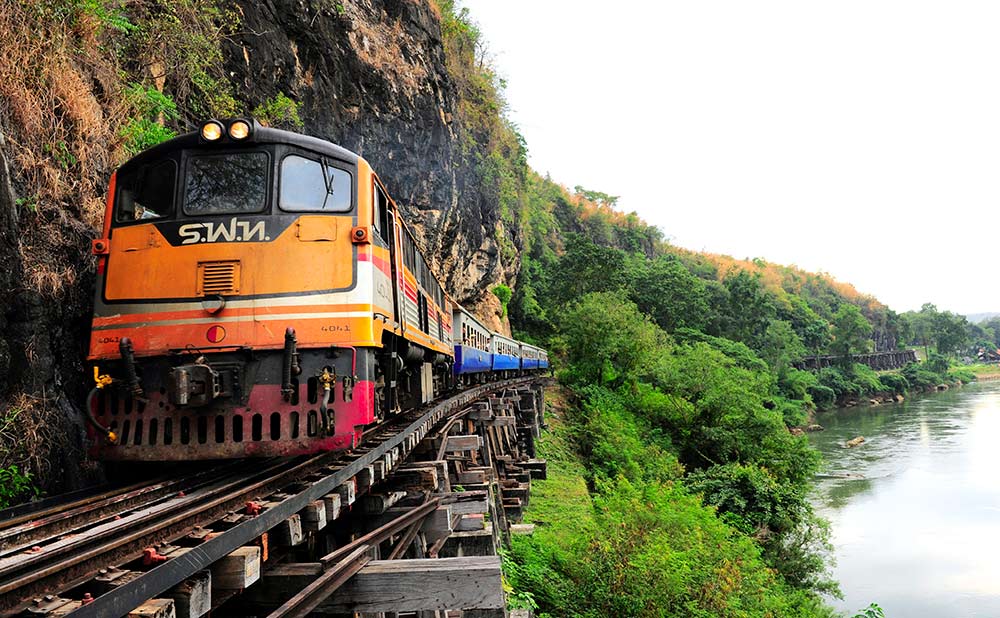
{"x":239,"y":129}
{"x":211,"y":131}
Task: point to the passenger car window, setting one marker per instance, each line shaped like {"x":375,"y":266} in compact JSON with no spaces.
{"x":309,"y":185}
{"x":146,"y":192}
{"x":226,"y":183}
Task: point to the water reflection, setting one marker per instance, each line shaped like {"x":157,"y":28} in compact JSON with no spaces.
{"x":839,"y":494}
{"x":919,"y":534}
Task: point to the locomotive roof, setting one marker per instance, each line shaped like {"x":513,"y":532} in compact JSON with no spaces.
{"x":260,"y":135}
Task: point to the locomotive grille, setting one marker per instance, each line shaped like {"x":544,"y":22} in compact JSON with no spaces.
{"x":218,"y":278}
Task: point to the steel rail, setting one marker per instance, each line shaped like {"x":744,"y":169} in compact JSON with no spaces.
{"x":122,"y":599}
{"x":340,"y":565}
{"x":319,"y":590}
{"x":211,"y":504}
{"x":49,"y":524}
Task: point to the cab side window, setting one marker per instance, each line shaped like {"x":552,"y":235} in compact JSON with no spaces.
{"x":147,"y":192}
{"x":381,"y":214}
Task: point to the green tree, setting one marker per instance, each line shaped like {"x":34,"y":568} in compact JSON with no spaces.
{"x":749,"y":310}
{"x":609,"y":341}
{"x":597,"y":197}
{"x":586,"y":267}
{"x":670,"y":294}
{"x":951,"y":332}
{"x":781,"y":347}
{"x":851,"y":332}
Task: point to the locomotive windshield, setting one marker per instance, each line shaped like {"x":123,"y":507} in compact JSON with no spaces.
{"x":230,"y":183}
{"x":198,"y":182}
{"x":311,"y":185}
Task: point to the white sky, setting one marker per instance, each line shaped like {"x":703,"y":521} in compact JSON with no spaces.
{"x":861,"y":138}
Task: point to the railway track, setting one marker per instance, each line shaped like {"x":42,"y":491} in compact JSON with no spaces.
{"x":165,"y":531}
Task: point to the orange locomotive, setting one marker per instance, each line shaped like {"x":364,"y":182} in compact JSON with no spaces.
{"x":257,"y":294}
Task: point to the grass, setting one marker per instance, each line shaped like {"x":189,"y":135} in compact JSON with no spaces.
{"x":983,"y":369}
{"x":563,"y":496}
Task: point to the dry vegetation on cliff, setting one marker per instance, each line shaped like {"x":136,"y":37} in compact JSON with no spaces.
{"x":81,"y":86}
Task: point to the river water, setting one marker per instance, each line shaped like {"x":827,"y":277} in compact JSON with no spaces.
{"x":920,"y":533}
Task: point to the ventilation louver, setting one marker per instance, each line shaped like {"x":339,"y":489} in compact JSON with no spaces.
{"x":218,"y":278}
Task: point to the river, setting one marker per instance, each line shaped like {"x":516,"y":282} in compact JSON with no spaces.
{"x":920,"y":533}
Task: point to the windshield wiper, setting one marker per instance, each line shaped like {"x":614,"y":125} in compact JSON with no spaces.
{"x":327,"y":180}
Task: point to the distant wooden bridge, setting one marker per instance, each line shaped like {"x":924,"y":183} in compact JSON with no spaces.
{"x":879,"y":361}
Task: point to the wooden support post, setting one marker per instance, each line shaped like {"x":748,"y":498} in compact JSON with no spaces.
{"x":480,"y":412}
{"x":154,"y":608}
{"x":468,"y":523}
{"x":537,"y":468}
{"x":376,"y":504}
{"x":513,"y":509}
{"x":438,"y":523}
{"x":238,"y":570}
{"x":313,"y":516}
{"x":193,"y":597}
{"x":463,"y":443}
{"x":288,"y":533}
{"x":519,"y":491}
{"x":439,"y":466}
{"x":380,"y":470}
{"x":365,"y":479}
{"x":504,"y":421}
{"x":466,"y":502}
{"x":472,"y":477}
{"x":348,"y":493}
{"x":332,"y":504}
{"x":423,"y":478}
{"x":474,"y":543}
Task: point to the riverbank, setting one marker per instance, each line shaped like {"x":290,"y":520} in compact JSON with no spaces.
{"x":876,"y":399}
{"x":858,"y":385}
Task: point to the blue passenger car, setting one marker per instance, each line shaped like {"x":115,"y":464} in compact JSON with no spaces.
{"x":472,"y":344}
{"x":506,"y":353}
{"x":529,"y":357}
{"x":543,"y":359}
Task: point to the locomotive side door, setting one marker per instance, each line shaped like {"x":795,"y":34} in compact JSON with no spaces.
{"x":387,"y":236}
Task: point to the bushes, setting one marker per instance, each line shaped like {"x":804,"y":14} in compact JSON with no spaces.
{"x":15,"y":486}
{"x":280,"y":112}
{"x":644,"y":549}
{"x":609,"y":341}
{"x":151,"y":107}
{"x":648,"y":406}
{"x":920,"y":375}
{"x":823,"y":396}
{"x":836,"y":380}
{"x":866,"y":380}
{"x":895,"y":382}
{"x":503,"y":294}
{"x":960,"y":374}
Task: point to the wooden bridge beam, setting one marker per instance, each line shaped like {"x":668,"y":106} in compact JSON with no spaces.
{"x":471,"y":582}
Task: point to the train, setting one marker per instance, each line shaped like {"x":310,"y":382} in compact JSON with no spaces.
{"x":259,"y":294}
